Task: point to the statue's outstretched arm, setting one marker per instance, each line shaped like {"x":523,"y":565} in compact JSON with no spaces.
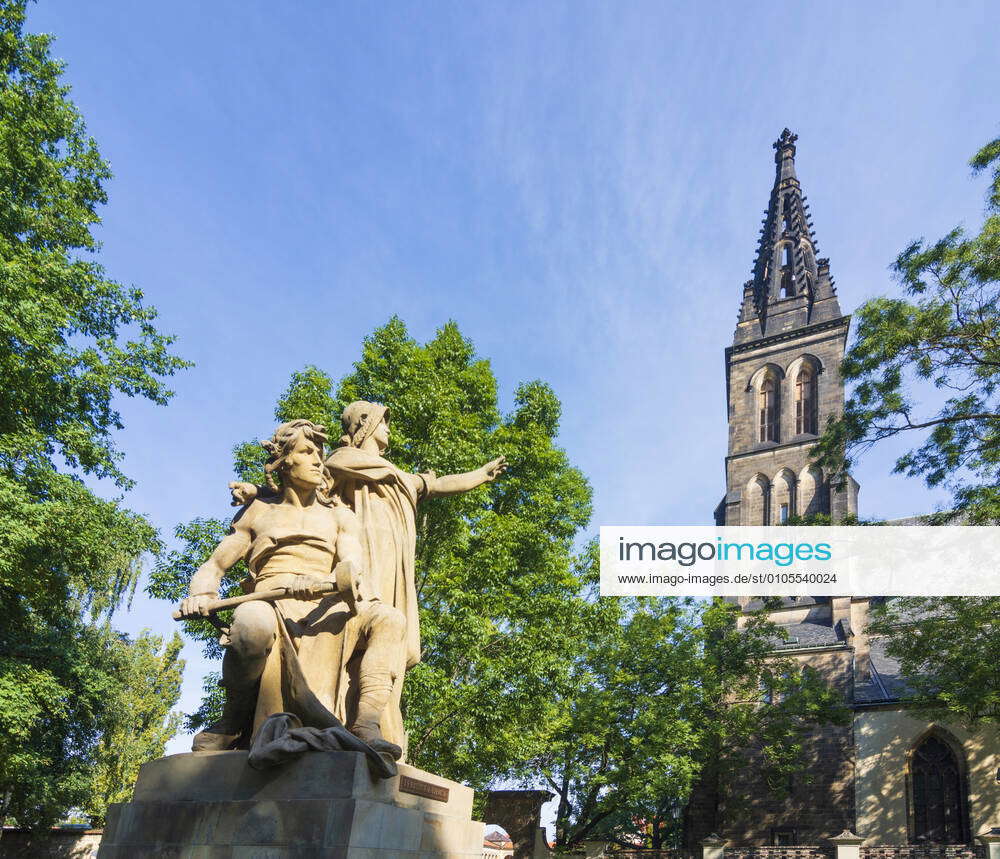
{"x":453,"y":484}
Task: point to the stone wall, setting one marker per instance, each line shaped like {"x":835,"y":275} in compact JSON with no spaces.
{"x":804,"y":852}
{"x":54,"y":844}
{"x":821,"y":802}
{"x":663,"y":853}
{"x":885,"y":738}
{"x":928,"y":852}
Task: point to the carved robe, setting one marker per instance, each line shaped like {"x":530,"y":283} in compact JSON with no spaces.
{"x":385,"y":498}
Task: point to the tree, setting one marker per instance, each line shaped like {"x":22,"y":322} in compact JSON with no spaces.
{"x":623,"y":752}
{"x":81,"y":707}
{"x":502,"y":611}
{"x":71,"y":341}
{"x":948,"y":650}
{"x":139,"y":719}
{"x":946,"y":332}
{"x":669,"y":693}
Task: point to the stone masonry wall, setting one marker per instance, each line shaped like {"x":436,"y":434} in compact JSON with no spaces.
{"x":821,"y":803}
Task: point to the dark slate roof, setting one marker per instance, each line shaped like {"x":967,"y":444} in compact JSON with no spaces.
{"x":810,"y":635}
{"x":886,"y":684}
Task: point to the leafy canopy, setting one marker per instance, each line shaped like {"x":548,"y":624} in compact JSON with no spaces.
{"x":946,"y":331}
{"x":670,"y":694}
{"x":948,"y":650}
{"x":139,"y":720}
{"x":71,"y":341}
{"x":502,"y":610}
{"x":81,"y":708}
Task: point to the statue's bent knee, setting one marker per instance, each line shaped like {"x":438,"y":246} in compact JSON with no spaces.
{"x":253,"y":631}
{"x":387,"y":620}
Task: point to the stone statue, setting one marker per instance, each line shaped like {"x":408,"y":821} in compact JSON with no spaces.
{"x":317,"y":652}
{"x":289,"y":655}
{"x":385,"y":499}
{"x":315,"y":655}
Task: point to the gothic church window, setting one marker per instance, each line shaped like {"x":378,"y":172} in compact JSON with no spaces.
{"x":808,"y":257}
{"x":806,"y":418}
{"x":768,"y":409}
{"x":938,"y":795}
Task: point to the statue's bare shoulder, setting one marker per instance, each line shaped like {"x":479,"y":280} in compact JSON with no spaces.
{"x":250,"y":512}
{"x":346,"y":519}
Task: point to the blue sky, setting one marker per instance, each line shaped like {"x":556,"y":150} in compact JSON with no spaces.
{"x":578,"y":184}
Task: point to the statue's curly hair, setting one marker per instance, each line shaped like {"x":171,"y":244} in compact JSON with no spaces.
{"x":282,"y":443}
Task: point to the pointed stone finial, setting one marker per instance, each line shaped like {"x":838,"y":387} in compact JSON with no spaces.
{"x":784,"y":154}
{"x":785,"y":141}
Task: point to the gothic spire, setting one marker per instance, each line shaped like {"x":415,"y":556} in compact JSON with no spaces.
{"x":789,"y":284}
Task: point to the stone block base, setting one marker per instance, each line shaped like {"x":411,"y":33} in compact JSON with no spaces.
{"x":211,"y":805}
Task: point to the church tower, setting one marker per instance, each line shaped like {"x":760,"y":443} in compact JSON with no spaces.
{"x":782,"y":377}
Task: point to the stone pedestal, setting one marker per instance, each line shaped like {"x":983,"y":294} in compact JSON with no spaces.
{"x":211,"y":805}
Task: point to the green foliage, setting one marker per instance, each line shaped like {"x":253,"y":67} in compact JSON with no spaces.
{"x":948,"y":649}
{"x":502,"y":611}
{"x":62,"y":321}
{"x":211,"y":705}
{"x":50,"y":702}
{"x":71,"y":341}
{"x":667,"y":692}
{"x":945,"y":332}
{"x":81,"y":707}
{"x":137,"y":718}
{"x":59,"y":542}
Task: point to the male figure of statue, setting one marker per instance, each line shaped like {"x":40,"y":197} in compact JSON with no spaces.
{"x":384,"y":498}
{"x":294,"y":654}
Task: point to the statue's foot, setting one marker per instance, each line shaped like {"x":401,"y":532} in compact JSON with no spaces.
{"x":373,"y":736}
{"x":211,"y":741}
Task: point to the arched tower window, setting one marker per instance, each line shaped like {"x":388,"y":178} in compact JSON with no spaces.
{"x":808,"y":257}
{"x":787,"y":284}
{"x":806,"y":401}
{"x":812,"y":492}
{"x":768,"y":409}
{"x":783,"y":496}
{"x":758,"y":502}
{"x":938,"y":794}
